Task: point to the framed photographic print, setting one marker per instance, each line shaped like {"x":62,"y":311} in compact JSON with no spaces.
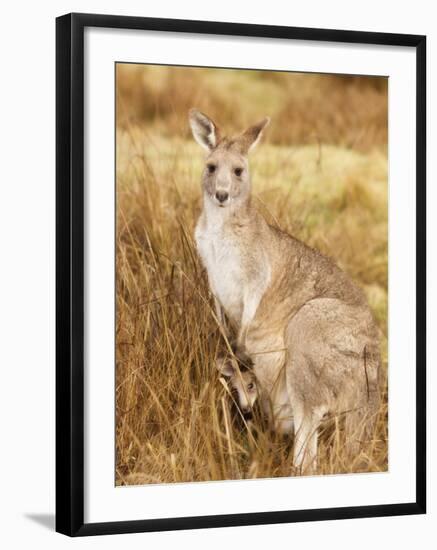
{"x":240,"y":274}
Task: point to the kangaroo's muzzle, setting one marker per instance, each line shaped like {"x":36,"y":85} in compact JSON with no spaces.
{"x":222,"y":196}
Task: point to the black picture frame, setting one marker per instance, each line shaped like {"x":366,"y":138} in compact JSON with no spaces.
{"x":70,"y":273}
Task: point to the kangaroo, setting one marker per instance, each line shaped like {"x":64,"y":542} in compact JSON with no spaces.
{"x":303,"y":322}
{"x":242,"y":382}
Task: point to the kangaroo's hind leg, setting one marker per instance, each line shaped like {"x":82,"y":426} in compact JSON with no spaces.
{"x":308,"y":407}
{"x":306,"y":424}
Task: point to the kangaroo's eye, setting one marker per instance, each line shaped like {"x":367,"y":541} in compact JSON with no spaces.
{"x":238,"y":171}
{"x":250,"y":386}
{"x":211,"y":168}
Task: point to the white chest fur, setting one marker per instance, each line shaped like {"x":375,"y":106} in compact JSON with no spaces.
{"x":221,"y":256}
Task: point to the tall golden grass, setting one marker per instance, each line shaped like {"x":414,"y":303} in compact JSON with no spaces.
{"x":321,"y":175}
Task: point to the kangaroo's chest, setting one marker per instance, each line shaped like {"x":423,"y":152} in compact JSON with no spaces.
{"x":222,"y":258}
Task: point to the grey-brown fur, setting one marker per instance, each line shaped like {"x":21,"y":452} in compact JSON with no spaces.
{"x":304,"y":323}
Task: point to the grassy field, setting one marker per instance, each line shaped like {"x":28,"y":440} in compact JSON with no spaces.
{"x":320,"y":174}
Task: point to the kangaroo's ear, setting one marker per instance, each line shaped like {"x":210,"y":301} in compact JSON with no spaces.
{"x":204,"y":130}
{"x":225,"y":367}
{"x":250,"y":137}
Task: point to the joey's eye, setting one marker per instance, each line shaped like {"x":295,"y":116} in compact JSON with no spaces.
{"x":238,"y":171}
{"x":211,"y":168}
{"x":250,"y":386}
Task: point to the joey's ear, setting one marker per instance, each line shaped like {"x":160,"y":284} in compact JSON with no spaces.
{"x":204,"y":130}
{"x":225,"y":367}
{"x":250,"y":137}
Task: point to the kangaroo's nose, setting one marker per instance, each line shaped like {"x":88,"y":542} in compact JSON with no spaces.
{"x":221,"y":196}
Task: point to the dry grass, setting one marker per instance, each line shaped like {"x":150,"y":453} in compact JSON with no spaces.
{"x":175,"y":419}
{"x":347,"y":111}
